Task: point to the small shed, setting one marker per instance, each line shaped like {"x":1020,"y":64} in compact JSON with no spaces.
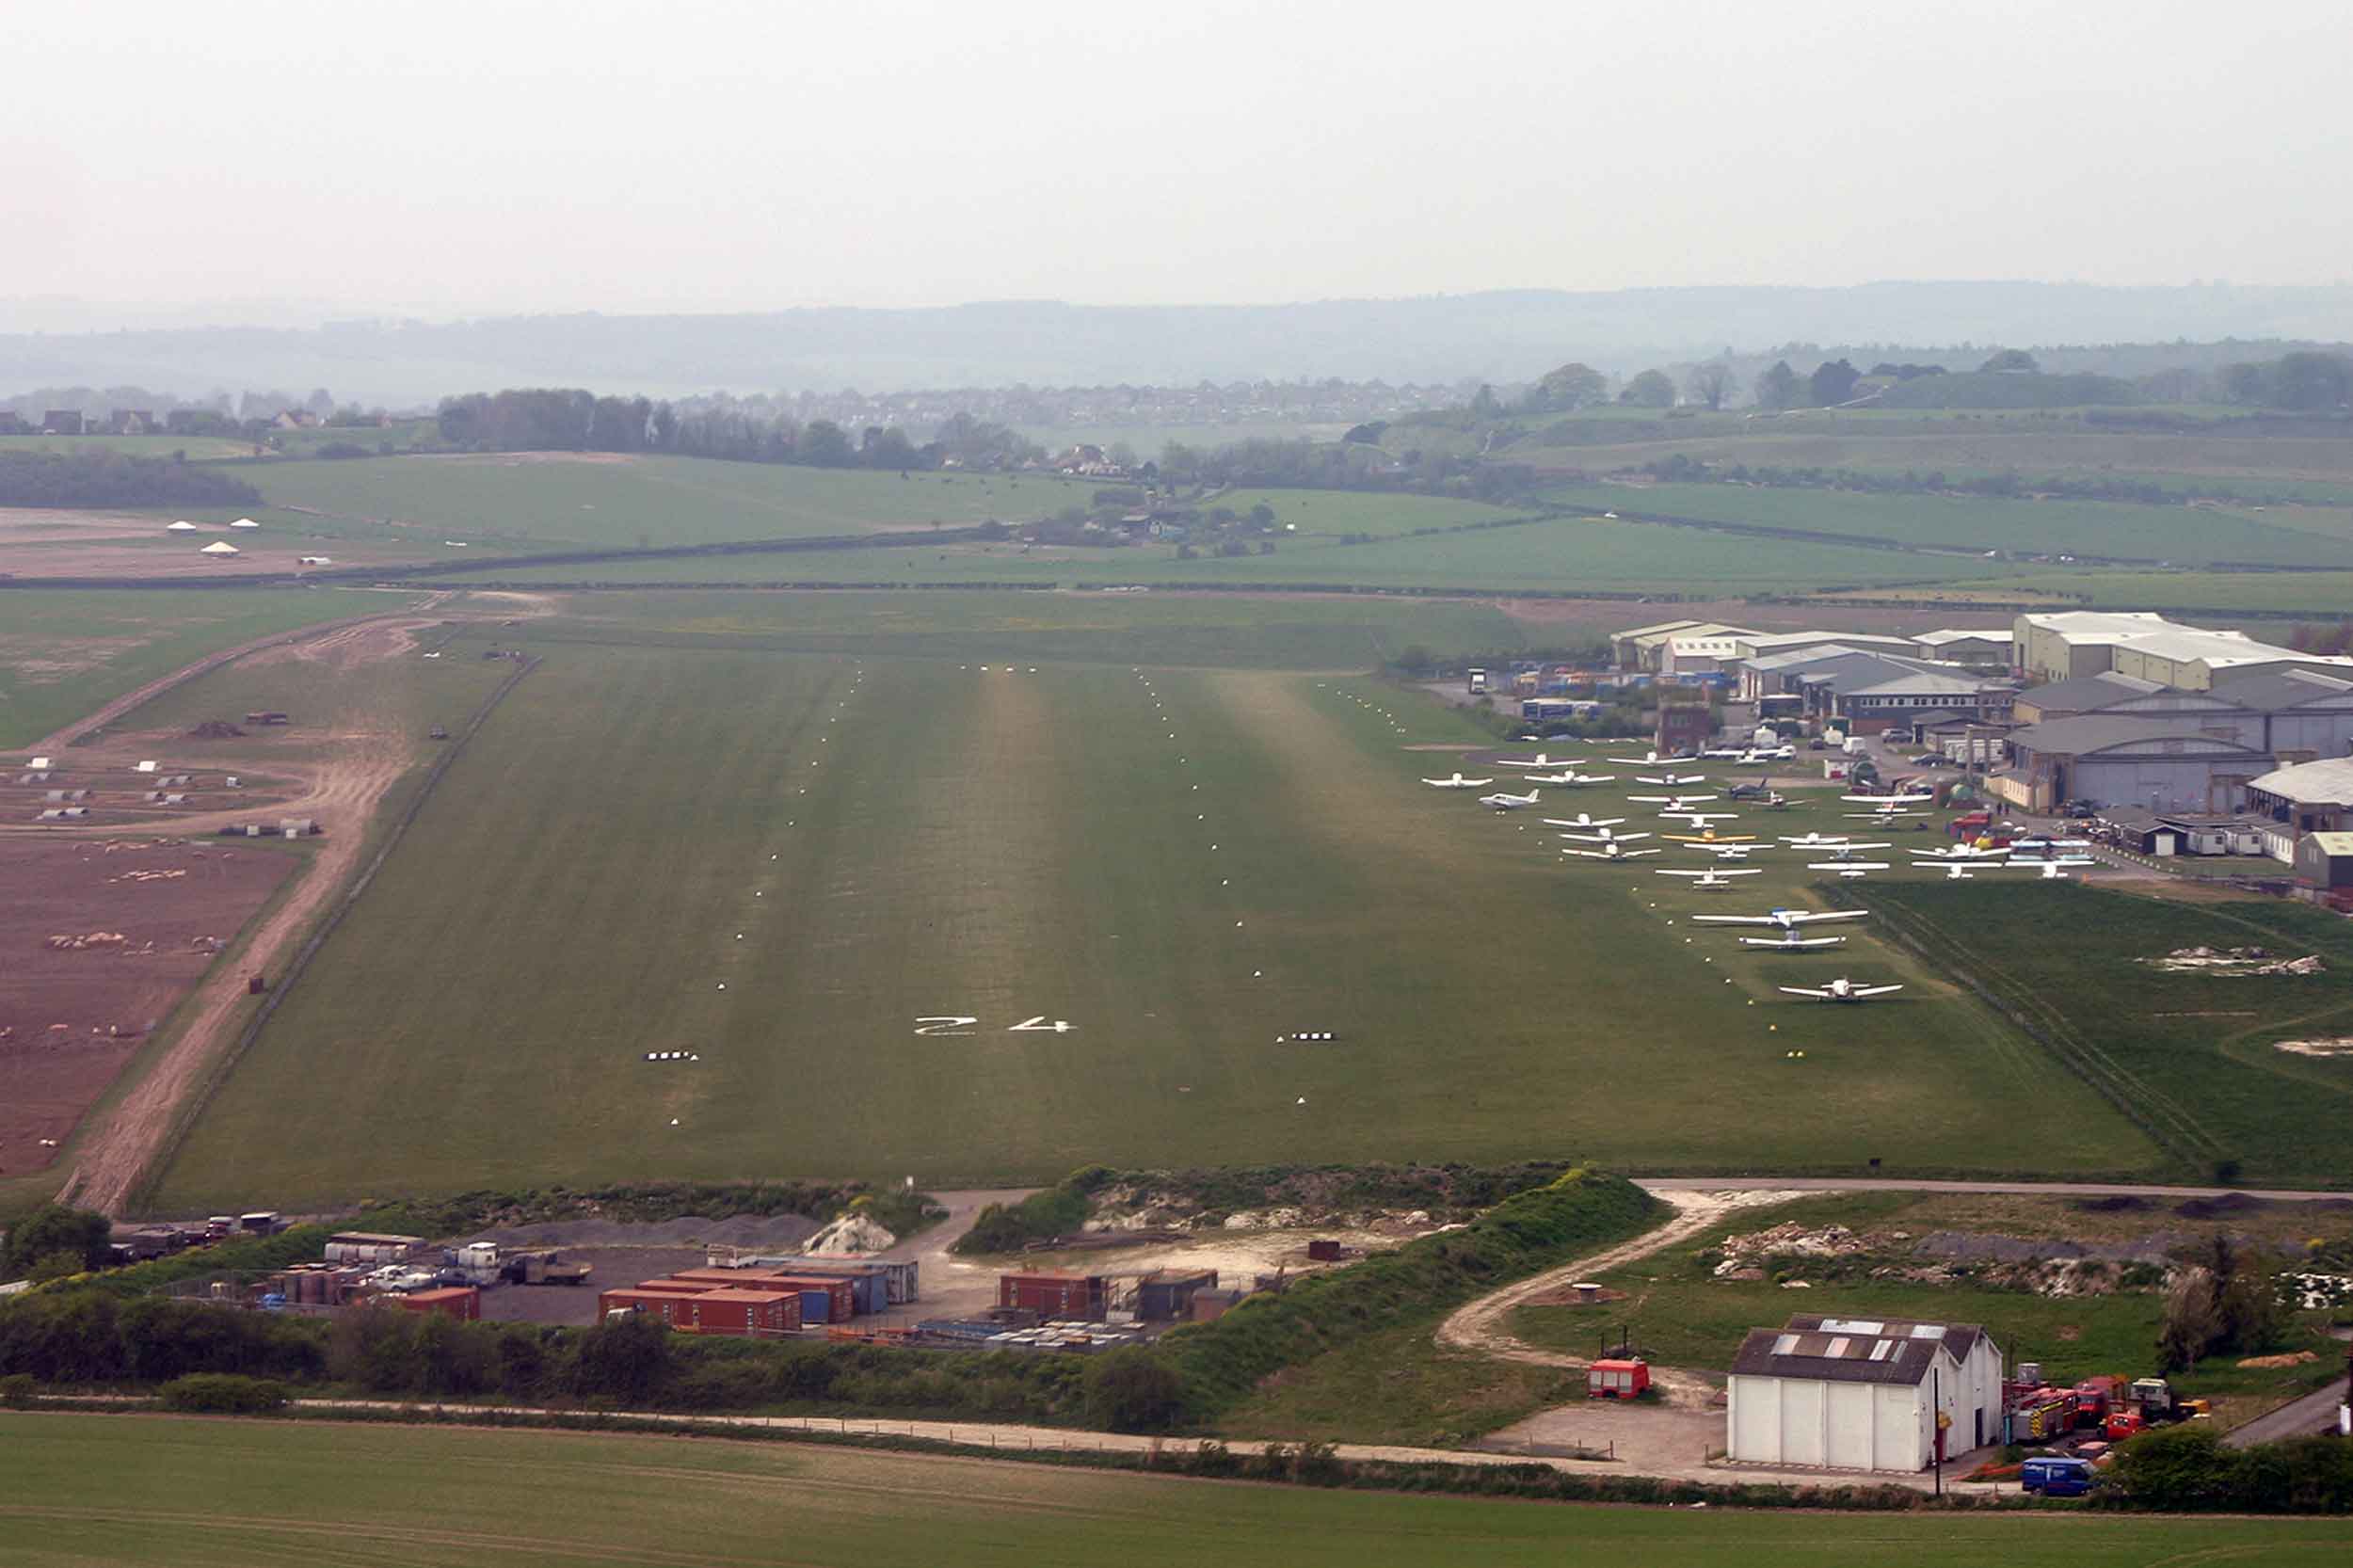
{"x":2324,"y":860}
{"x":1166,"y":1296}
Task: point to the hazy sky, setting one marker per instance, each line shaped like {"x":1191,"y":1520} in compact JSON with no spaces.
{"x":461,"y":158}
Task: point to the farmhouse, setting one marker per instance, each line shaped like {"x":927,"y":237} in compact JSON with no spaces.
{"x":1863,"y":1394}
{"x":2128,"y":760}
{"x":2073,"y":643}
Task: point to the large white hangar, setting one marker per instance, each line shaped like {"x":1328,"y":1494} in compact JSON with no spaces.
{"x":1862,"y":1393}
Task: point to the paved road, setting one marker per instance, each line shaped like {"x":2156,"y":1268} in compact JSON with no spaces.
{"x":2026,"y":1188}
{"x":2315,"y":1412}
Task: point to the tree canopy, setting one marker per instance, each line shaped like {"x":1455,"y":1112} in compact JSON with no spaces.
{"x":1653,"y":389}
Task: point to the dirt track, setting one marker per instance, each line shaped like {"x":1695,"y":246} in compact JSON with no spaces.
{"x":113,"y":1156}
{"x":1479,"y":1326}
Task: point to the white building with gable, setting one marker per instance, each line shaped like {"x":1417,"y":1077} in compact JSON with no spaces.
{"x":1863,"y":1394}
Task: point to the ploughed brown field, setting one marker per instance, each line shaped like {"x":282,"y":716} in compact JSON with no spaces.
{"x":73,"y":1013}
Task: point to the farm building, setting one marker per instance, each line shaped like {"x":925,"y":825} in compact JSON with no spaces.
{"x":2058,"y":647}
{"x":2324,"y":862}
{"x":1863,"y":1394}
{"x":1085,"y":1296}
{"x":62,"y":422}
{"x":2121,"y":761}
{"x":2310,"y":797}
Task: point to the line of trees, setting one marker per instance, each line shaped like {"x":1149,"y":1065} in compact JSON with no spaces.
{"x":1681,"y":468}
{"x":2307,"y":381}
{"x":84,"y":478}
{"x":554,"y":419}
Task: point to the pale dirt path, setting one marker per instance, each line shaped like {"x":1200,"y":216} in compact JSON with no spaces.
{"x":1479,"y":1326}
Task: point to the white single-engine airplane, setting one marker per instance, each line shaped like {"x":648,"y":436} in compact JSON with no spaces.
{"x":1711,"y":880}
{"x":1571,"y":778}
{"x":1542,"y":760}
{"x":1789,"y":941}
{"x":1583,"y":819}
{"x":1671,"y":780}
{"x":1652,"y":760}
{"x":1788,"y":919}
{"x":1814,"y":841}
{"x":1841,"y":989}
{"x":1604,"y":837}
{"x":2051,"y":869}
{"x":1700,"y":818}
{"x":1672,"y":803}
{"x":1614,"y":850}
{"x":1456,"y":781}
{"x":1853,"y":871}
{"x":1503,"y":800}
{"x":1961,"y":852}
{"x":1726,"y":850}
{"x":1889,"y":802}
{"x":1846,"y":849}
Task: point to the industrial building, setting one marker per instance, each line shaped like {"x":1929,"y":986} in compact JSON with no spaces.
{"x":2296,"y":714}
{"x":1645,"y":647}
{"x":1978,"y":649}
{"x":2308,"y":797}
{"x":1865,"y":690}
{"x":2067,"y":644}
{"x":1863,"y":1394}
{"x":2115,"y":760}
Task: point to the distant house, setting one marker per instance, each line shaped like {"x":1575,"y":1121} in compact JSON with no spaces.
{"x":62,"y":422}
{"x":135,"y":422}
{"x":12,"y":424}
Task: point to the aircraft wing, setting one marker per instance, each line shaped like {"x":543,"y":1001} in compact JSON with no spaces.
{"x":1736,"y":919}
{"x":1808,"y":916}
{"x":1872,"y":990}
{"x":1817,"y":992}
{"x":1843,"y":866}
{"x":1798,"y":942}
{"x":1589,"y":854}
{"x":1632,"y":853}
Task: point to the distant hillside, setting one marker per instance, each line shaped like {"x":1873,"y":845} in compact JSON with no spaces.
{"x":1501,"y":337}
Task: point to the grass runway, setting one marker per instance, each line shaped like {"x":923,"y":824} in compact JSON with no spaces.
{"x":1182,"y":866}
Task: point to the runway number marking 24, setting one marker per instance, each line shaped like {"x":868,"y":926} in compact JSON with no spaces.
{"x":957,"y":1023}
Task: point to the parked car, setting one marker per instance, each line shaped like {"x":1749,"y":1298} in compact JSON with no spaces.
{"x":1931,"y":759}
{"x":2080,"y":810}
{"x":2056,"y":1476}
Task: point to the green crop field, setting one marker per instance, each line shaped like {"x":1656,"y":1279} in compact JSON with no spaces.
{"x":514,"y":503}
{"x":786,"y":863}
{"x":64,"y":653}
{"x":2184,"y":534}
{"x":194,"y":447}
{"x":2316,"y":595}
{"x":88,"y":1489}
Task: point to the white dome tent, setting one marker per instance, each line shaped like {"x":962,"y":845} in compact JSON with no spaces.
{"x":183,"y":526}
{"x":220,"y":547}
{"x":245,"y":522}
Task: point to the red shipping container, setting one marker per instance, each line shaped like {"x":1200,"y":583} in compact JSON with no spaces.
{"x":1083,"y":1296}
{"x":750,"y":1313}
{"x":461,"y":1302}
{"x":840,"y":1293}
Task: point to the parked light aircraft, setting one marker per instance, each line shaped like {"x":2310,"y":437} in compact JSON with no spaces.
{"x":1503,"y":800}
{"x":1789,"y":941}
{"x":1583,"y":819}
{"x":1604,"y":837}
{"x":1814,"y":841}
{"x":1671,"y":780}
{"x":1672,"y":803}
{"x":1542,"y":760}
{"x":1652,"y":760}
{"x":1841,"y":989}
{"x":1711,"y":880}
{"x":1614,"y":850}
{"x":1889,"y":803}
{"x":1787,"y":919}
{"x":1853,"y":871}
{"x":1700,"y":818}
{"x":2050,"y":868}
{"x":1961,"y":852}
{"x":1571,"y":778}
{"x":1727,"y":850}
{"x":1956,"y":871}
{"x":1845,"y":850}
{"x":1456,"y":781}
{"x":1709,"y":836}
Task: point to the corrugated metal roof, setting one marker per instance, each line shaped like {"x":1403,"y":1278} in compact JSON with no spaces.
{"x":1859,"y":1350}
{"x":2332,"y":844}
{"x":2327,"y":782}
{"x":2146,"y":632}
{"x":2088,"y":694}
{"x":2269,"y":693}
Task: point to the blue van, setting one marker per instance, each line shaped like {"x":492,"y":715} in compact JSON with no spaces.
{"x":2055,"y":1478}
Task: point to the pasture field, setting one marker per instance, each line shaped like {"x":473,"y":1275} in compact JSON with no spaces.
{"x":194,"y":447}
{"x":1564,"y":554}
{"x":1321,"y":514}
{"x":64,"y":653}
{"x":786,"y":864}
{"x":2194,"y":1057}
{"x":2182,"y":533}
{"x":1685,"y":1318}
{"x":126,"y":1488}
{"x":520,"y":501}
{"x":1319,"y":632}
{"x":2318,"y":595}
{"x":2029,"y":446}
